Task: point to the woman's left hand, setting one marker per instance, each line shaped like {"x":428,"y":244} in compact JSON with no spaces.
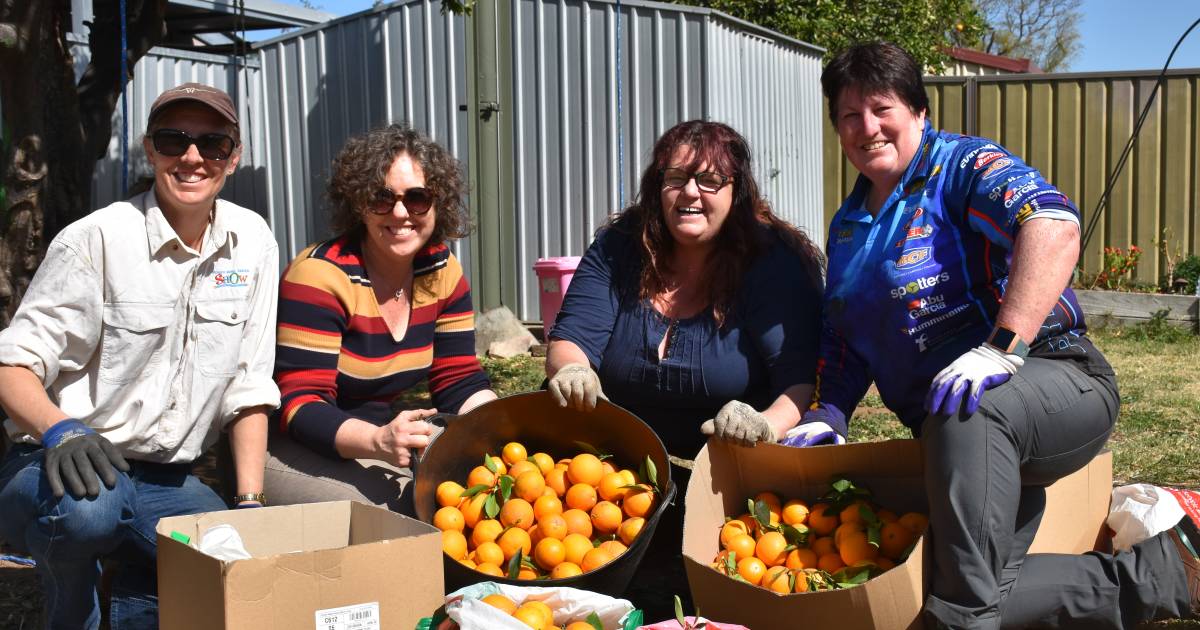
{"x":980,"y":368}
{"x":740,"y":423}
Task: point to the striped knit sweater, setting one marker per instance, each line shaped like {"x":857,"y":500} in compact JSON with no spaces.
{"x":336,"y":358}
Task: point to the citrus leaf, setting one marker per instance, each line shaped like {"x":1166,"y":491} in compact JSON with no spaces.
{"x":868,"y":515}
{"x":842,"y":485}
{"x":490,"y":463}
{"x":795,"y":534}
{"x":679,"y":612}
{"x":593,"y":620}
{"x":527,"y":562}
{"x":731,"y":563}
{"x":491,"y":507}
{"x":514,"y":566}
{"x":650,"y":473}
{"x":588,"y":448}
{"x":873,"y":533}
{"x":506,"y":485}
{"x":474,"y":490}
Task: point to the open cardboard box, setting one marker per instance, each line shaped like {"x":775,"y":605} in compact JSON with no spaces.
{"x":726,"y":475}
{"x":320,"y":565}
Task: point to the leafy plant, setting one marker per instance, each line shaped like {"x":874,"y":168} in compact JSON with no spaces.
{"x":1188,"y":270}
{"x":1118,"y":264}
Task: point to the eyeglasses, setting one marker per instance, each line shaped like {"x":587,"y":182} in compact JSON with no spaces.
{"x":174,"y":143}
{"x":417,"y":201}
{"x":705,"y":180}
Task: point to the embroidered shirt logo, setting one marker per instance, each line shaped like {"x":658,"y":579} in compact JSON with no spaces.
{"x":231,"y":278}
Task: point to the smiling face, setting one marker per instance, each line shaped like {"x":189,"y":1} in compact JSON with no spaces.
{"x":188,"y":182}
{"x":399,"y":235}
{"x":879,"y":133}
{"x":694,"y":217}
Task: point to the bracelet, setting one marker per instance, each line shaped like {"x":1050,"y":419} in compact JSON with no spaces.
{"x":251,"y":496}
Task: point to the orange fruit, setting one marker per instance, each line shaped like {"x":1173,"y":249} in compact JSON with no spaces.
{"x":915,"y":522}
{"x":544,"y":462}
{"x":531,"y":617}
{"x":554,"y":526}
{"x":820,"y":522}
{"x":512,"y":453}
{"x":830,"y":562}
{"x":472,"y":509}
{"x":581,"y":496}
{"x":771,"y":549}
{"x":563,"y":463}
{"x":501,"y":467}
{"x":751,"y":569}
{"x":629,"y":476}
{"x":613,"y":547}
{"x":630,"y":528}
{"x":823,"y":545}
{"x":517,"y":513}
{"x":845,"y":528}
{"x":777,"y":579}
{"x":549,"y":552}
{"x":595,"y":559}
{"x":585,"y":468}
{"x":855,"y":548}
{"x":489,"y":552}
{"x":541,"y":607}
{"x":750,"y":523}
{"x":771,"y":499}
{"x":546,"y":505}
{"x":612,"y":487}
{"x":852,"y":513}
{"x":576,"y":546}
{"x":499,"y":601}
{"x":607,"y":466}
{"x":885,"y":563}
{"x":556,"y":480}
{"x":488,"y":568}
{"x":743,"y":545}
{"x":579,"y":625}
{"x":894,"y":538}
{"x":639,"y":502}
{"x":454,"y":544}
{"x":606,"y":518}
{"x":887,"y":516}
{"x":480,"y":475}
{"x":565,"y":570}
{"x":449,"y":493}
{"x":801,"y":582}
{"x":731,"y":529}
{"x":795,"y":512}
{"x":578,"y":522}
{"x":801,"y":559}
{"x":448,"y":517}
{"x":526,"y":573}
{"x":522,"y":467}
{"x":513,"y":540}
{"x":486,"y":530}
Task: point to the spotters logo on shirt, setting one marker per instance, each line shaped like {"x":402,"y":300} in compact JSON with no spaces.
{"x":231,"y":278}
{"x":927,"y":282}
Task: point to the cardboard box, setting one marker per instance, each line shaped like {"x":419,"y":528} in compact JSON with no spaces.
{"x":725,"y":475}
{"x":337,"y":565}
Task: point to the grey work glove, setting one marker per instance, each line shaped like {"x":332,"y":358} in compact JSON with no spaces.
{"x":577,"y":386}
{"x":81,"y":457}
{"x":740,"y":423}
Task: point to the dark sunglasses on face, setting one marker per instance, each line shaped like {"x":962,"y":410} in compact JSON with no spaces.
{"x":174,"y":143}
{"x":705,"y":180}
{"x":416,"y":201}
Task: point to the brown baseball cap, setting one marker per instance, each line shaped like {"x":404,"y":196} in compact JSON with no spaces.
{"x":216,"y":99}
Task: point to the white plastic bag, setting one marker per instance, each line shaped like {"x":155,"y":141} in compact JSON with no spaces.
{"x":1141,"y":511}
{"x":569,"y":604}
{"x":223,"y":542}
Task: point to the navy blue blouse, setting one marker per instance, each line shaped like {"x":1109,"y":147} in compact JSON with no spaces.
{"x":768,"y":344}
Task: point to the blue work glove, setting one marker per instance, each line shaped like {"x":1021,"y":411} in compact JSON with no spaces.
{"x":977,"y":370}
{"x":741,"y":423}
{"x":80,"y":456}
{"x":817,"y":428}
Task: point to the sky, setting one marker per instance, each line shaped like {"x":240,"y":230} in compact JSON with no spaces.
{"x":1116,"y":34}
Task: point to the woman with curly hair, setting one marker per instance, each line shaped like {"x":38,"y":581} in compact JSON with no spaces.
{"x":368,"y":315}
{"x":696,"y":303}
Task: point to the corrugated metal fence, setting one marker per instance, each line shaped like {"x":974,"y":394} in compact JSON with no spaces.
{"x":1073,"y":128}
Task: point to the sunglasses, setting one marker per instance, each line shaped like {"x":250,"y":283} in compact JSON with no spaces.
{"x":174,"y":143}
{"x":417,"y":201}
{"x":705,"y":180}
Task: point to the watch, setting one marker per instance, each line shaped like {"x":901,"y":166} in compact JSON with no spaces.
{"x":1008,"y":342}
{"x":251,"y":496}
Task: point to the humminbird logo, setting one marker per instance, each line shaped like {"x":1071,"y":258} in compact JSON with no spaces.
{"x":928,"y":282}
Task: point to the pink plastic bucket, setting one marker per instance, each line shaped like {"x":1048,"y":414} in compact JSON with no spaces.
{"x":554,"y":276}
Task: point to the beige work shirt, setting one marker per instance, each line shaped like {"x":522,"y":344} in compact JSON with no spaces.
{"x":154,"y":345}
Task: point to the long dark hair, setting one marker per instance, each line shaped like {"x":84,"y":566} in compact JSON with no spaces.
{"x":742,"y":237}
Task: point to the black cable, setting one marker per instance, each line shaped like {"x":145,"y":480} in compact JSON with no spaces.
{"x":1087,"y":235}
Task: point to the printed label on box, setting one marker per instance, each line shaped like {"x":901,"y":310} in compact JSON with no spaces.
{"x":356,"y":617}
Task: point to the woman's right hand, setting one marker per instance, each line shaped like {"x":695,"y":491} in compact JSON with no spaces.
{"x":408,"y":430}
{"x":576,"y":385}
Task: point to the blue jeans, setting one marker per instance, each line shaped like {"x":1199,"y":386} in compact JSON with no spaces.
{"x":68,"y":537}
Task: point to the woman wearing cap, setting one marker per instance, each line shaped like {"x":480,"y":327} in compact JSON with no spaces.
{"x":148,"y":329}
{"x":949,"y":266}
{"x":366,"y":317}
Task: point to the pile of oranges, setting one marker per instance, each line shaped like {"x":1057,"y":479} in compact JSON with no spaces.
{"x":534,"y":613}
{"x":841,"y":540}
{"x":529,"y":517}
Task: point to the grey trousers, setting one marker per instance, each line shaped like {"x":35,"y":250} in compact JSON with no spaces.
{"x":295,"y":474}
{"x":985,"y":476}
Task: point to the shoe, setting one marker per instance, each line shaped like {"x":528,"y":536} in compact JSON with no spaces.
{"x":1186,"y":537}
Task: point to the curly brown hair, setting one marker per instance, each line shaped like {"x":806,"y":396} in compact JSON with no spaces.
{"x":362,"y":165}
{"x":740,"y":240}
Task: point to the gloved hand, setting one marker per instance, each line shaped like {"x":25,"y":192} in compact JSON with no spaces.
{"x":81,"y":457}
{"x":980,"y":368}
{"x":577,"y":386}
{"x":740,"y":423}
{"x":817,"y":428}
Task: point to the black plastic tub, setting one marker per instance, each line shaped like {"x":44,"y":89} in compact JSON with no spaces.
{"x":535,"y":420}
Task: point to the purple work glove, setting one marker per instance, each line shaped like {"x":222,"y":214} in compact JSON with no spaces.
{"x":817,"y":428}
{"x":977,"y":370}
